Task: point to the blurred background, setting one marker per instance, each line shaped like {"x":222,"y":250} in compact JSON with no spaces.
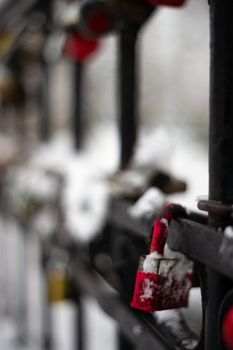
{"x":63,"y":154}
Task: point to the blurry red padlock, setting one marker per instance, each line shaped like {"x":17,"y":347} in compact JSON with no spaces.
{"x":96,"y":18}
{"x":79,"y":47}
{"x":162,"y":282}
{"x":174,"y":3}
{"x":227,"y":329}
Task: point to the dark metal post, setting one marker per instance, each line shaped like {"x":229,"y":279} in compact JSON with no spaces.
{"x":78,"y":105}
{"x":127,"y":92}
{"x":79,"y":338}
{"x":124,"y":343}
{"x":220,"y":147}
{"x":45,"y":7}
{"x":44,"y":100}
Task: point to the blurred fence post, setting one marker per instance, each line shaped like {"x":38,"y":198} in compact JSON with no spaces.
{"x":220,"y":148}
{"x":78,"y":106}
{"x":127,"y":92}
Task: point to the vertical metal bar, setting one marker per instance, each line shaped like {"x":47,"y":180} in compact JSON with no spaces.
{"x":80,"y":341}
{"x":127,"y":90}
{"x":220,"y":145}
{"x":124,"y":343}
{"x":78,"y":106}
{"x":46,"y":7}
{"x":221,"y":101}
{"x":45,"y":122}
{"x":46,"y":308}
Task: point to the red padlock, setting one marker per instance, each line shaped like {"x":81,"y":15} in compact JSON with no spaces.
{"x":96,"y":18}
{"x":227,"y":329}
{"x":79,"y":47}
{"x":174,"y":3}
{"x":163,"y":281}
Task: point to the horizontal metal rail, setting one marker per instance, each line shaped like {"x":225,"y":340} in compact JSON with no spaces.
{"x":119,"y":216}
{"x":200,"y":242}
{"x":195,"y":239}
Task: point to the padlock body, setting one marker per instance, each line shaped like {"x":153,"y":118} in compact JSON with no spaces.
{"x":155,"y":292}
{"x":227,"y":329}
{"x":96,"y":19}
{"x":174,"y":3}
{"x":58,"y":287}
{"x":79,"y":47}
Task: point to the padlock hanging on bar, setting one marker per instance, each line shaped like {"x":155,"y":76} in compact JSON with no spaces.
{"x":161,"y":283}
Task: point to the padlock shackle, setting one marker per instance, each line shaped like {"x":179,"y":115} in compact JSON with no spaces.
{"x":159,"y":236}
{"x":160,"y":228}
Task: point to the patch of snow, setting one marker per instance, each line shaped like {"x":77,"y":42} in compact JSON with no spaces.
{"x":226,"y":248}
{"x":193,"y":313}
{"x":33,"y":182}
{"x":149,"y":203}
{"x":150,"y":264}
{"x":148,"y":290}
{"x":228,"y":232}
{"x":175,"y":322}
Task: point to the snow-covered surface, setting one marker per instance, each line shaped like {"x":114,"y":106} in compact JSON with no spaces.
{"x":33,"y":182}
{"x":193,"y":313}
{"x":174,"y":321}
{"x":86,"y":192}
{"x":150,"y":264}
{"x":150,"y":202}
